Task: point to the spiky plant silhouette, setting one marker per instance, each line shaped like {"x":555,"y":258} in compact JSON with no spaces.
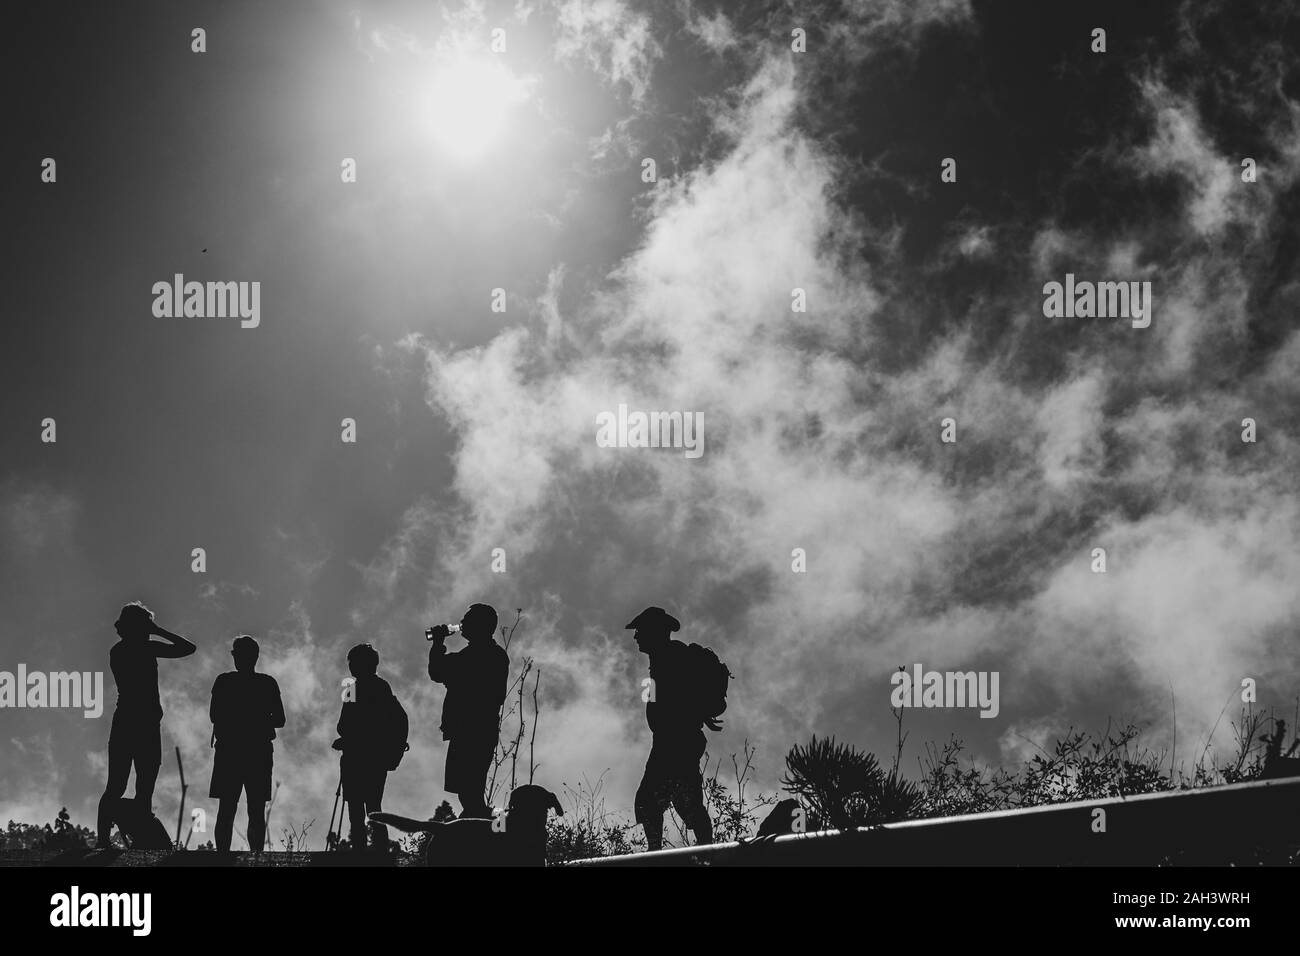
{"x":846,"y":788}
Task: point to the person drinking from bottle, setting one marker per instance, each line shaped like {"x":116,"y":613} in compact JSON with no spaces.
{"x":475,"y":678}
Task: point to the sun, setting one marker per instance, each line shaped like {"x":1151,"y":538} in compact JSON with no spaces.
{"x":468,"y":105}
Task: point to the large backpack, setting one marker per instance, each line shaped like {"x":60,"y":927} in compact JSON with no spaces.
{"x":709,"y":681}
{"x":396,"y":730}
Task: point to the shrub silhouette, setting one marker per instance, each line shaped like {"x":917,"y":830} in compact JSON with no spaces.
{"x":845,"y":788}
{"x":588,"y":829}
{"x":63,"y":835}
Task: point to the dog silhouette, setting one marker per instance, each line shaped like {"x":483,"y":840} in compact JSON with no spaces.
{"x":516,"y":837}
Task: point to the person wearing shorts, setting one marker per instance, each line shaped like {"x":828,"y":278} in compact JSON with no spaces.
{"x":246,"y":710}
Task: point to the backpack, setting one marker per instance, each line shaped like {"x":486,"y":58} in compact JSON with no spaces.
{"x":709,"y":681}
{"x":396,"y":730}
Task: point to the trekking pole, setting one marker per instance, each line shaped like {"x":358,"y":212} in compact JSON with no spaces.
{"x":331,"y":840}
{"x":180,"y":814}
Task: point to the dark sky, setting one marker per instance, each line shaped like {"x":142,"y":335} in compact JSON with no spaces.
{"x":521,"y":170}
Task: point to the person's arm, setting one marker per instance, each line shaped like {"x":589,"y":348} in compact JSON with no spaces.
{"x":443,"y":667}
{"x":345,"y":721}
{"x":217,"y":707}
{"x":502,"y":684}
{"x":176,"y":645}
{"x":277,"y":705}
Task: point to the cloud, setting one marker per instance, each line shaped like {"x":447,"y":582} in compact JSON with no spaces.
{"x":215,"y":594}
{"x":700,"y":318}
{"x":715,"y":31}
{"x":36,"y":518}
{"x":610,"y":38}
{"x":1180,"y":146}
{"x":852,"y":32}
{"x":975,"y":553}
{"x":35,"y":795}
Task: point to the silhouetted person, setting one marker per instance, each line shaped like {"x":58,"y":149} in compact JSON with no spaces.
{"x":676,"y":719}
{"x":245,"y":711}
{"x":136,"y":735}
{"x":476,"y":678}
{"x":365,"y":728}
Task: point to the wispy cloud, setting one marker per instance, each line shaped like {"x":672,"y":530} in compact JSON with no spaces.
{"x":610,"y":37}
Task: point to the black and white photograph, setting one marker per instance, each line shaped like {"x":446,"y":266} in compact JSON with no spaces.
{"x":703,"y":439}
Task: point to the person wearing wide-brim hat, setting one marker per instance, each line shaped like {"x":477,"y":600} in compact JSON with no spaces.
{"x":672,"y":772}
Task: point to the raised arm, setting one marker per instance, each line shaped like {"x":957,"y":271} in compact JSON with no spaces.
{"x":176,"y":645}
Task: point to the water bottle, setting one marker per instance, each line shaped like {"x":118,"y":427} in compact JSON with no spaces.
{"x":451,"y":628}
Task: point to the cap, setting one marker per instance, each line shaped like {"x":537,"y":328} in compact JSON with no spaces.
{"x":653,"y":617}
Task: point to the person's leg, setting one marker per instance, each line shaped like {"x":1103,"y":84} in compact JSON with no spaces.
{"x":226,"y":823}
{"x":456,"y":778}
{"x":350,"y":774}
{"x":651,"y":820}
{"x":256,"y":777}
{"x":256,"y":824}
{"x":688,"y":800}
{"x":472,"y":806}
{"x":650,"y":804}
{"x":473,"y":761}
{"x":148,"y":761}
{"x":119,"y":771}
{"x":453,"y":776}
{"x":703,"y":826}
{"x":370,"y":791}
{"x":356,"y":818}
{"x":688,"y":790}
{"x":473,"y":785}
{"x":379,"y":832}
